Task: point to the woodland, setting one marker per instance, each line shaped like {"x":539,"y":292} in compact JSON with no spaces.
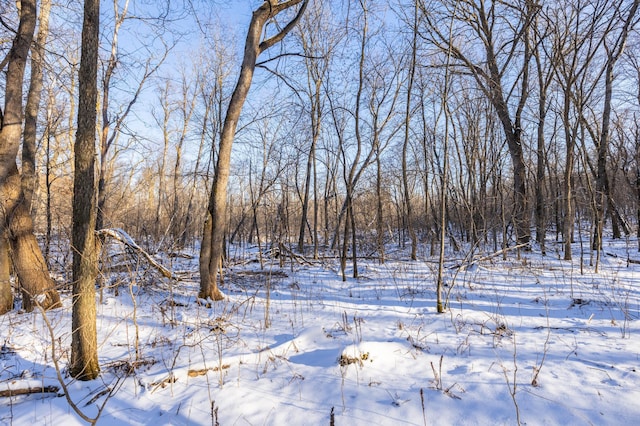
{"x":205,"y":155}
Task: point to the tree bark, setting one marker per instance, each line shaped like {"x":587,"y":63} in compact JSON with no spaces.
{"x":211,"y":256}
{"x":84,"y":345}
{"x":33,"y":104}
{"x":33,"y":275}
{"x":6,"y":296}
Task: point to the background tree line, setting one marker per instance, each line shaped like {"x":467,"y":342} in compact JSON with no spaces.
{"x":405,"y":126}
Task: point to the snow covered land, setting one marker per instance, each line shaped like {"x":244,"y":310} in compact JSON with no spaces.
{"x":531,"y":340}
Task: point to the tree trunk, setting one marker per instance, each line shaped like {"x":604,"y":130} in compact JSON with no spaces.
{"x":33,"y":104}
{"x":6,"y":296}
{"x":84,"y":345}
{"x":602,"y":184}
{"x":27,"y":257}
{"x":105,"y":139}
{"x":569,"y":214}
{"x":379,"y":210}
{"x":307,"y":184}
{"x":405,"y":144}
{"x":638,"y":185}
{"x":489,"y":75}
{"x":540,"y":209}
{"x":210,"y":257}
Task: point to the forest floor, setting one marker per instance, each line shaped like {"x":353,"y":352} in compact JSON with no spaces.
{"x":525,"y":340}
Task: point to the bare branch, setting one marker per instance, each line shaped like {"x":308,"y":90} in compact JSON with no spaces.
{"x":281,"y":35}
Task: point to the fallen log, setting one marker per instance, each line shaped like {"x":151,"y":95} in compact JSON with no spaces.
{"x":8,"y":393}
{"x":629,"y":259}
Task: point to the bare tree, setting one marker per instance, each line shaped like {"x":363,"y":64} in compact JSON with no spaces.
{"x":572,"y":41}
{"x":407,"y":130}
{"x":84,"y":345}
{"x":633,"y":60}
{"x":15,"y":221}
{"x":113,"y":120}
{"x":317,"y":45}
{"x":213,"y":95}
{"x":215,"y":225}
{"x":545,"y":74}
{"x":614,"y":50}
{"x":186,"y":107}
{"x":500,"y":44}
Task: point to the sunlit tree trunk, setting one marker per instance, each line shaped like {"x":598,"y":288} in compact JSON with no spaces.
{"x":15,"y":220}
{"x":6,"y":296}
{"x":216,"y":223}
{"x":84,"y":345}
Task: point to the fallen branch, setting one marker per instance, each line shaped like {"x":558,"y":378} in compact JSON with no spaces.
{"x":8,"y":393}
{"x":283,"y":250}
{"x":489,"y":256}
{"x":629,"y":260}
{"x":203,"y":371}
{"x":124,"y":238}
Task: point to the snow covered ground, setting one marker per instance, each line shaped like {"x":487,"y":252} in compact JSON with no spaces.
{"x":535,"y":340}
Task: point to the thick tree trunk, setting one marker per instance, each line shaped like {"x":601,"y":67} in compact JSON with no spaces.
{"x":514,"y":143}
{"x":210,"y":257}
{"x":14,"y":217}
{"x":37,"y":287}
{"x":84,"y":345}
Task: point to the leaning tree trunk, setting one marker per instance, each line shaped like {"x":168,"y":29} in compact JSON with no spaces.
{"x":84,"y":345}
{"x":215,"y":225}
{"x":36,"y":284}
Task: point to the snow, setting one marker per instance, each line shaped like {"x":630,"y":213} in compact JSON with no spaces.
{"x":536,"y":339}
